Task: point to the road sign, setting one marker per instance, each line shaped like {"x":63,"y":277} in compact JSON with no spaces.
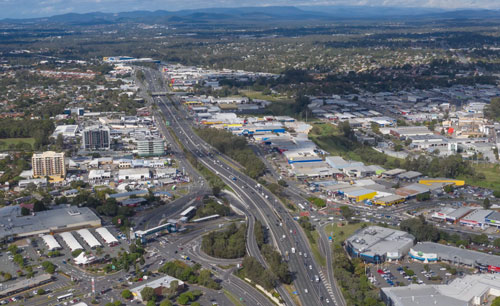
{"x":330,"y":238}
{"x":167,"y":123}
{"x":295,"y":292}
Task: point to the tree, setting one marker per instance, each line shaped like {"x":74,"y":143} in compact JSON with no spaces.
{"x":423,"y":196}
{"x":147,"y":294}
{"x":497,"y":242}
{"x":151,"y":303}
{"x":49,"y":267}
{"x":183,"y":299}
{"x":346,"y":212}
{"x":216,"y":190}
{"x":166,"y":303}
{"x":496,"y":302}
{"x":7,"y":276}
{"x":375,"y":128}
{"x":127,"y":294}
{"x":486,"y":203}
{"x":60,"y":141}
{"x":19,"y":260}
{"x":38,"y":206}
{"x":492,"y":111}
{"x":448,"y":188}
{"x":25,"y":211}
{"x":346,"y":129}
{"x":12,"y":248}
{"x":40,"y":291}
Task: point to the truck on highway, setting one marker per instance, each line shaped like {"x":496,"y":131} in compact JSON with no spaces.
{"x":185,"y":257}
{"x":316,"y":278}
{"x":293,"y":250}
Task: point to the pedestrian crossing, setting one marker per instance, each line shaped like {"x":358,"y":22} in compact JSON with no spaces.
{"x":328,"y":286}
{"x":59,"y":285}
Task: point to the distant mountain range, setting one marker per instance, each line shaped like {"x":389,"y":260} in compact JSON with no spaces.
{"x":260,"y":14}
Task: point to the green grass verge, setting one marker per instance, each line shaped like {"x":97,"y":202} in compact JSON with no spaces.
{"x":7,"y":143}
{"x":315,"y":249}
{"x":232,"y":298}
{"x":290,"y":289}
{"x":252,"y":94}
{"x":341,"y":233}
{"x":329,"y":138}
{"x":492,"y":179}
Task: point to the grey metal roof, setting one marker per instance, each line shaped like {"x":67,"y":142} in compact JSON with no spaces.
{"x":376,"y":240}
{"x":454,"y":254}
{"x":13,"y":224}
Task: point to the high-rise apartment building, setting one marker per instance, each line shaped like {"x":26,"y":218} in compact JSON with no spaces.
{"x":150,"y":147}
{"x":96,"y":138}
{"x":48,"y":163}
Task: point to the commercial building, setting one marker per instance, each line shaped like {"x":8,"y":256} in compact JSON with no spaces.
{"x":451,"y":214}
{"x":126,"y":195}
{"x":430,"y":251}
{"x":376,"y":244}
{"x":134,"y":174}
{"x":62,"y":219}
{"x":158,"y":285}
{"x":49,"y":164}
{"x":467,"y":291}
{"x":150,"y":147}
{"x":493,"y":219}
{"x":67,"y":131}
{"x":96,"y":138}
{"x":476,"y":218}
{"x":25,"y":284}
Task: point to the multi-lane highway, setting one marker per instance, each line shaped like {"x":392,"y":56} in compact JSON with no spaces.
{"x":284,"y":232}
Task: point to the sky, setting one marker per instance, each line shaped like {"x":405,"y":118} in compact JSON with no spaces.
{"x":43,"y":8}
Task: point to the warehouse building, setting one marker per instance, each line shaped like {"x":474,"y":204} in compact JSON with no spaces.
{"x":430,"y":251}
{"x":389,"y":200}
{"x":13,"y":225}
{"x":466,"y":291}
{"x":411,"y":131}
{"x":377,"y":244}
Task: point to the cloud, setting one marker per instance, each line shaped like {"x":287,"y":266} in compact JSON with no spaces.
{"x":43,"y":8}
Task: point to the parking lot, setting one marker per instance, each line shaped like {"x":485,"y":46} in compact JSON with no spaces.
{"x":405,"y":273}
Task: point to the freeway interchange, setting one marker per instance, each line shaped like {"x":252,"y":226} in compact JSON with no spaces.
{"x":256,"y":202}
